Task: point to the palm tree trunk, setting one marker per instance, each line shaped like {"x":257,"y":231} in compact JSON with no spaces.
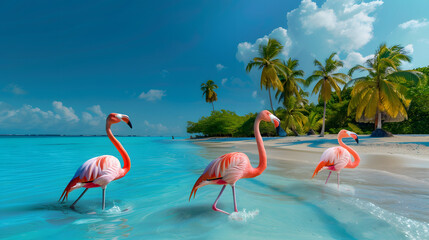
{"x":322,"y":133}
{"x":213,"y":106}
{"x":271,"y":102}
{"x":378,"y":119}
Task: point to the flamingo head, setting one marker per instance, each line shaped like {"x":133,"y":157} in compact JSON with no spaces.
{"x":345,"y":133}
{"x":269,"y":117}
{"x":117,"y":117}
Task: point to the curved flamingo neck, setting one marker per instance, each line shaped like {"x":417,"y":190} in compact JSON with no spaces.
{"x":356,"y":162}
{"x":118,"y":145}
{"x":261,"y":149}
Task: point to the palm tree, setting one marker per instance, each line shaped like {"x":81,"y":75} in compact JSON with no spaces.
{"x":270,"y":66}
{"x":314,"y":123}
{"x":382,"y":90}
{"x":290,"y":82}
{"x":208,"y":90}
{"x":327,"y":80}
{"x":294,"y":119}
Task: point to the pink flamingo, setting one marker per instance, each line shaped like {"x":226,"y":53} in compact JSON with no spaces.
{"x":101,"y":170}
{"x":229,"y":168}
{"x":337,"y":158}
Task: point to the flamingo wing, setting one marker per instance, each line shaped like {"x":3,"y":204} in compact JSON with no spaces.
{"x":93,"y":173}
{"x":226,"y":169}
{"x":334,"y":158}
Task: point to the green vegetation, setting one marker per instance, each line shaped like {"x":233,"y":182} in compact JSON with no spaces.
{"x":385,"y":94}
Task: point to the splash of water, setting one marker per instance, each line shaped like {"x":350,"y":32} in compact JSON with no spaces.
{"x":243,"y":216}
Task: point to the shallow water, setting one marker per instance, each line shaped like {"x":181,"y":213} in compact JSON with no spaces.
{"x":151,"y":202}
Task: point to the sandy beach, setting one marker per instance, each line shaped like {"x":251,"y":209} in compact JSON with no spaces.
{"x":393,"y":174}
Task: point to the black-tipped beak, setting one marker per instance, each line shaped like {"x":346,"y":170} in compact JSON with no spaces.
{"x":129,"y":124}
{"x":357,"y":140}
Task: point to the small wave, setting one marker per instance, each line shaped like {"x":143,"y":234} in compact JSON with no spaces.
{"x":243,"y":216}
{"x":411,"y":228}
{"x":86,"y":221}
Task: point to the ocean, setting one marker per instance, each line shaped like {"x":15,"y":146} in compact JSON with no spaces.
{"x":151,"y":201}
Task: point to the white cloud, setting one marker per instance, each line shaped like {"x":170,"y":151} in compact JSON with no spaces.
{"x":263,"y":102}
{"x":152,"y":95}
{"x":409,"y":49}
{"x":340,"y":25}
{"x":15,"y":89}
{"x":26,"y":117}
{"x":158,"y":128}
{"x":247,"y":51}
{"x":254,"y":94}
{"x":67,"y":113}
{"x":224,"y":80}
{"x":95,"y":119}
{"x":219,"y":67}
{"x":355,"y":58}
{"x":164,"y":73}
{"x":414,"y":24}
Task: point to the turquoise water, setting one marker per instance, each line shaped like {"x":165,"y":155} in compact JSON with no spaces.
{"x":151,"y":202}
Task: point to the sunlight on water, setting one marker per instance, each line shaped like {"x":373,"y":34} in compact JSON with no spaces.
{"x":243,"y":216}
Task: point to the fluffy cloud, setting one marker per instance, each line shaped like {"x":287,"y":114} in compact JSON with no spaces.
{"x":96,"y":117}
{"x":224,"y":80}
{"x":414,"y":24}
{"x":247,"y":51}
{"x":254,"y":94}
{"x":219,"y":67}
{"x":67,"y":113}
{"x":355,"y":58}
{"x":15,"y":89}
{"x":157,"y":128}
{"x":409,"y":49}
{"x":26,"y":117}
{"x":341,"y":25}
{"x":152,"y":95}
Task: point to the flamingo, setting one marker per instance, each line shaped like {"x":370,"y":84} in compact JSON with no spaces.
{"x":229,"y":168}
{"x":100,"y":171}
{"x":337,"y":158}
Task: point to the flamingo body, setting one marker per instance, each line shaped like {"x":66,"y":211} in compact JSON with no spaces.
{"x":226,"y":169}
{"x":95,"y":172}
{"x":333,"y":159}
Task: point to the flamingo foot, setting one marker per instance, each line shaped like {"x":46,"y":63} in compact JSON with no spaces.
{"x":219,"y":210}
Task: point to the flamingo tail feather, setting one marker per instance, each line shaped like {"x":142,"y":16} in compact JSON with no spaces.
{"x":319,"y":167}
{"x":68,"y":189}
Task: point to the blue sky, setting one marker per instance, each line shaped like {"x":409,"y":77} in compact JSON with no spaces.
{"x":65,"y":65}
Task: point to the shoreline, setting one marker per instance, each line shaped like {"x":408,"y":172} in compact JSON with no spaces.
{"x":401,"y":155}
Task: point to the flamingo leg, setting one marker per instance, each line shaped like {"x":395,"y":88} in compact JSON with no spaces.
{"x":233,"y":194}
{"x":84,"y":191}
{"x":328,"y":177}
{"x":338,"y":180}
{"x":104,"y":199}
{"x":217,"y":199}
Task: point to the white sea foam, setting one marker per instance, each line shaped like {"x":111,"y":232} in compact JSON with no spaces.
{"x":412,"y":229}
{"x":86,"y":221}
{"x":243,"y":216}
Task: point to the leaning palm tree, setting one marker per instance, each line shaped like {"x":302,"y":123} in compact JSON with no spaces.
{"x":382,"y":92}
{"x":208,"y":90}
{"x":290,"y":82}
{"x":294,"y":118}
{"x":327,"y":80}
{"x":270,"y":65}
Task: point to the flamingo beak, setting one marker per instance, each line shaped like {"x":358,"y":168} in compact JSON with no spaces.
{"x":275,"y":120}
{"x":357,"y":139}
{"x":126,"y":119}
{"x":129,"y":124}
